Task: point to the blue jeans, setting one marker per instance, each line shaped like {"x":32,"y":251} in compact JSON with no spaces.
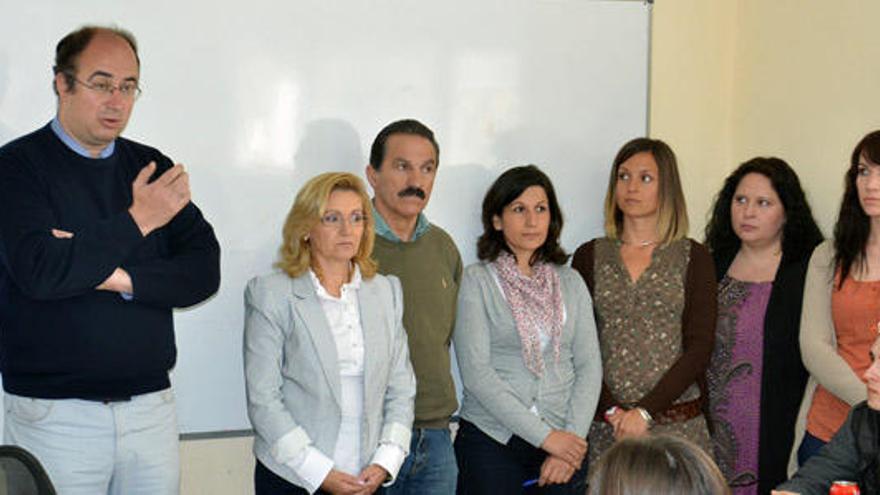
{"x":430,"y":467}
{"x":809,"y":446}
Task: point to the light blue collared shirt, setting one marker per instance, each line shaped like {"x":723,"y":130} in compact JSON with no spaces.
{"x":384,"y":231}
{"x":75,"y":146}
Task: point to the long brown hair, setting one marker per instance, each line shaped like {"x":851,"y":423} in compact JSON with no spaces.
{"x":853,"y":225}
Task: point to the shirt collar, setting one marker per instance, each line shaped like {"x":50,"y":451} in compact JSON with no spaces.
{"x":353,"y":285}
{"x":384,"y":231}
{"x":75,"y":146}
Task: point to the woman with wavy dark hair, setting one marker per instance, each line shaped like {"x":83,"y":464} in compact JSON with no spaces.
{"x":526,"y":345}
{"x":842,"y":303}
{"x":761,"y":235}
{"x":654,"y":292}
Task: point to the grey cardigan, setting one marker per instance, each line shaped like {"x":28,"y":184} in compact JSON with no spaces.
{"x":291,"y":372}
{"x":499,"y":390}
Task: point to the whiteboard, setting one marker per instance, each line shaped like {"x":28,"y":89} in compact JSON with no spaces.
{"x":255,"y":97}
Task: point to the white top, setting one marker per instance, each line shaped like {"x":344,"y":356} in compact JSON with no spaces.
{"x":343,"y":318}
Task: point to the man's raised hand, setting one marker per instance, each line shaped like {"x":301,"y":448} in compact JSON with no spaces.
{"x":155,"y":203}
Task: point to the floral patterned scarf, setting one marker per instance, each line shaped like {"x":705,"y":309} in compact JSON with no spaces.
{"x":536,"y":304}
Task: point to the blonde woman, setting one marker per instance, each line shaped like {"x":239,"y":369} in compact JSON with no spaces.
{"x":654,"y":296}
{"x":330,"y":388}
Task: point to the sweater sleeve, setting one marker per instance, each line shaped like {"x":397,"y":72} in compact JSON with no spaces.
{"x":838,"y":460}
{"x":587,"y":362}
{"x":697,"y":333}
{"x":817,"y":337}
{"x":583,"y":261}
{"x":186,"y":270}
{"x":189,"y":273}
{"x":41,"y":265}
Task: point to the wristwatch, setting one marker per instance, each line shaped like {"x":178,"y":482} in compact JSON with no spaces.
{"x":610,"y":412}
{"x":646,"y":416}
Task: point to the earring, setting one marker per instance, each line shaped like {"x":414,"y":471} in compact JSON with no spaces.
{"x":306,"y":238}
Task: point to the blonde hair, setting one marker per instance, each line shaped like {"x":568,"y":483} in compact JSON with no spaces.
{"x":672,"y":218}
{"x":307,"y":210}
{"x":657,"y":465}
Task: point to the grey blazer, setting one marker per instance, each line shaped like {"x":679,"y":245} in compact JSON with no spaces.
{"x":291,"y":374}
{"x":499,"y":390}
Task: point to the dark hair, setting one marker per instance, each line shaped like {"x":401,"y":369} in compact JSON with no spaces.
{"x":800,"y":234}
{"x":68,"y":50}
{"x":853,"y":225}
{"x":506,"y":188}
{"x":672,"y":221}
{"x":406,"y":126}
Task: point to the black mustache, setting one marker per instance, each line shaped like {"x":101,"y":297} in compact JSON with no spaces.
{"x":412,"y":191}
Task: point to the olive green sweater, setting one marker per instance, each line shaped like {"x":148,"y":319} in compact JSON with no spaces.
{"x":429,"y":269}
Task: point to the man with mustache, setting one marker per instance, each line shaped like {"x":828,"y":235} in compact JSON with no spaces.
{"x":98,"y":243}
{"x":853,"y":453}
{"x":403,"y":164}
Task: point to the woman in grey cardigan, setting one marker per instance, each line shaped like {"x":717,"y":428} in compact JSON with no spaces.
{"x":330,"y":388}
{"x":527,"y":350}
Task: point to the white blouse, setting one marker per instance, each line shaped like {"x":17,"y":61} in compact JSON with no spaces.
{"x":344,"y":321}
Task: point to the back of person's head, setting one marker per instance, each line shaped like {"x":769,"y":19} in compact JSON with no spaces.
{"x":657,"y":465}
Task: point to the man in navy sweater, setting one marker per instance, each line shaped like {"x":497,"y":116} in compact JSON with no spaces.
{"x":98,"y":243}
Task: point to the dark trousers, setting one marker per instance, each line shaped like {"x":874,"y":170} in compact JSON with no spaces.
{"x":268,"y":483}
{"x":488,"y":467}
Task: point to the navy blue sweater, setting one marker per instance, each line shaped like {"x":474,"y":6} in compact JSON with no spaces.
{"x":59,"y":337}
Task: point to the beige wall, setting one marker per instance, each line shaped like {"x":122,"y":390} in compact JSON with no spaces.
{"x":730,"y":79}
{"x":733,"y":79}
{"x":809,"y":90}
{"x":692,"y":49}
{"x":223,"y":466}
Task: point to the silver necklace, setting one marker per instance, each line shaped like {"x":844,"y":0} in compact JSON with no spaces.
{"x":640,"y":244}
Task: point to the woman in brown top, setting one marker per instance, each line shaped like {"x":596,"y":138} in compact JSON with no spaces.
{"x":654,"y":294}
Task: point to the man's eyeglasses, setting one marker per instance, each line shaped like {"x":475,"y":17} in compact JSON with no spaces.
{"x":128,"y":89}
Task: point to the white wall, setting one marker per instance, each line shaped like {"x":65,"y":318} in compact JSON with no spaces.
{"x":256,"y":97}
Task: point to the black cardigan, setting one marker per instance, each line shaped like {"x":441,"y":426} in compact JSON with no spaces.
{"x":784,"y":377}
